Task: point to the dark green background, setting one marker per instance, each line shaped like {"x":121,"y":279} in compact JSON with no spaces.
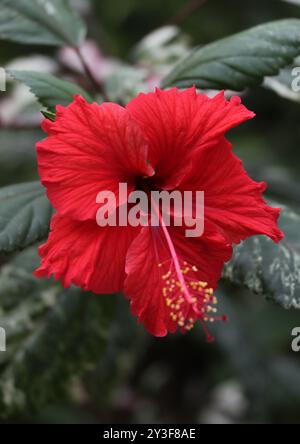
{"x":143,"y":379}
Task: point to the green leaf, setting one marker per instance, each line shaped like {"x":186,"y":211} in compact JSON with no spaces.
{"x":49,"y":115}
{"x":269,"y":269}
{"x":161,"y":49}
{"x":241,"y":60}
{"x":53,"y":335}
{"x":17,"y":154}
{"x":125,"y":84}
{"x":25,"y":214}
{"x":249,"y":344}
{"x":49,"y":90}
{"x":68,"y":343}
{"x":286,"y":84}
{"x":281,"y":85}
{"x":40,"y":22}
{"x":295,"y":2}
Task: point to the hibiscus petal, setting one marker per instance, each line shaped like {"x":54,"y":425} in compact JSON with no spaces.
{"x":147,"y":265}
{"x":176,"y":123}
{"x":83,"y":254}
{"x":90,"y":148}
{"x":233,"y":201}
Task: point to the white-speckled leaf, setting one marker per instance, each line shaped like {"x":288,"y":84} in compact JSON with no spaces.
{"x":294,"y":2}
{"x":25,"y":214}
{"x":53,"y":335}
{"x":241,"y":60}
{"x":40,"y":22}
{"x":287,"y":83}
{"x":268,"y":269}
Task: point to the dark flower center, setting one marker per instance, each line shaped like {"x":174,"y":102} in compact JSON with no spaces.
{"x":146,"y":184}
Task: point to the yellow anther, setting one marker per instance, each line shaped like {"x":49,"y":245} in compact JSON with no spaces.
{"x":201,"y":300}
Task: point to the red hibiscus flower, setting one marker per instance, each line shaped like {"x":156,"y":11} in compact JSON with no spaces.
{"x":167,"y":140}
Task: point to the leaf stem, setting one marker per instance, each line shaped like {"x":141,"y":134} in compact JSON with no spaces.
{"x":188,"y":9}
{"x":95,"y":83}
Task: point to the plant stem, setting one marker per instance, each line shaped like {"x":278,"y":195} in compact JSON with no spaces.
{"x":96,"y":85}
{"x":186,"y":11}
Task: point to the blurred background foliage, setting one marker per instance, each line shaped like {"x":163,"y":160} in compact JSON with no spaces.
{"x":71,"y":359}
